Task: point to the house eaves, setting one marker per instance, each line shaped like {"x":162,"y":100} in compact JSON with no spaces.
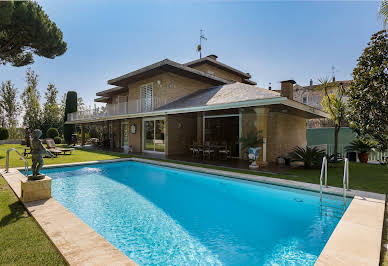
{"x":220,"y":65}
{"x":310,"y":112}
{"x":165,"y":66}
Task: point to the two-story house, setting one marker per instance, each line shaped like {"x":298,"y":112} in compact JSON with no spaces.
{"x":167,"y":106}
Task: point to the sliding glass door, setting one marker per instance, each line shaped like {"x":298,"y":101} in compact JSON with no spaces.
{"x":154,"y":134}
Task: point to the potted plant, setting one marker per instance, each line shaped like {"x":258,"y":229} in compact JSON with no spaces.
{"x":251,"y":143}
{"x":362,"y":147}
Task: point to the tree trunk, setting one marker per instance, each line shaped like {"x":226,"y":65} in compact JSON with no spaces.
{"x":336,"y":132}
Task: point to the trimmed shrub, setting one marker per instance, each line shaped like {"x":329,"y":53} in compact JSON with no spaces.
{"x":52,"y":133}
{"x":3,"y":133}
{"x":93,"y":132}
{"x":57,"y":140}
{"x":70,"y":107}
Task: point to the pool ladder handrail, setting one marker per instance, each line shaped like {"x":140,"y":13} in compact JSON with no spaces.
{"x":345,"y":180}
{"x":21,"y":156}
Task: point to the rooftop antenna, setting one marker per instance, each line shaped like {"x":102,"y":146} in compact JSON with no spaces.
{"x":333,"y":71}
{"x":199,"y":47}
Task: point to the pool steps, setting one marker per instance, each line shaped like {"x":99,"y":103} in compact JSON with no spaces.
{"x":345,"y":186}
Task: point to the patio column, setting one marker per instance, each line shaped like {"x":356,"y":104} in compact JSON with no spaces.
{"x":82,"y":134}
{"x":261,"y":125}
{"x":200,"y":126}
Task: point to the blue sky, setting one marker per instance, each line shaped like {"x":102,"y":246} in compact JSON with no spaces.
{"x":273,"y":41}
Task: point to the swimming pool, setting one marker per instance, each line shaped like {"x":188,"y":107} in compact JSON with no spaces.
{"x":160,"y":215}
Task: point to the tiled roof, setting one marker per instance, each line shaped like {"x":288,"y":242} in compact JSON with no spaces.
{"x":161,"y":66}
{"x":223,"y":94}
{"x":211,"y":59}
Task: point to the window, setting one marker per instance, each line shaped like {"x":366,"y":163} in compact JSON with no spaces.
{"x":315,"y":99}
{"x":146,"y":97}
{"x":304,"y":99}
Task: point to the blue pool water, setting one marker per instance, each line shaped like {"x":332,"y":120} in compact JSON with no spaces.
{"x":166,"y":216}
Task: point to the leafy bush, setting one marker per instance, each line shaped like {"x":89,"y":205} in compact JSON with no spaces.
{"x":52,"y":133}
{"x":3,"y":133}
{"x":360,"y":145}
{"x":311,"y":156}
{"x":93,"y":132}
{"x":253,"y":139}
{"x":57,"y":140}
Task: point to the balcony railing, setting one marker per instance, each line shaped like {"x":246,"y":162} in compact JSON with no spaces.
{"x":131,"y":107}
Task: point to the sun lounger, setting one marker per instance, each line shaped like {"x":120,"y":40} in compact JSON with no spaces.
{"x":55,"y":150}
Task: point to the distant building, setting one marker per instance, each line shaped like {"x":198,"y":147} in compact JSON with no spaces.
{"x":312,"y":95}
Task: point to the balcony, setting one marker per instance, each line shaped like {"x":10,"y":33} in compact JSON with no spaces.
{"x":109,"y":110}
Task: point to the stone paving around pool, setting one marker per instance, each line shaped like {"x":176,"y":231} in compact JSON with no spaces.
{"x":355,"y":241}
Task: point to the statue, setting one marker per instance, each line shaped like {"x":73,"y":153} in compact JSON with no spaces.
{"x":37,"y":150}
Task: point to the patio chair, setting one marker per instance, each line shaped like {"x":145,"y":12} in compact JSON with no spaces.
{"x":208,"y":151}
{"x":224,"y":152}
{"x":52,"y":147}
{"x":197,"y":150}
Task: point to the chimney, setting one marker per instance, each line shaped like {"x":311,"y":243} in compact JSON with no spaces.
{"x":311,"y":84}
{"x":287,"y":88}
{"x":333,"y":78}
{"x":213,"y":56}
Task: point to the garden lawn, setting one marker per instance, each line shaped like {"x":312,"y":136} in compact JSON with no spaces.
{"x":22,"y":242}
{"x":367,"y":177}
{"x":76,"y":156}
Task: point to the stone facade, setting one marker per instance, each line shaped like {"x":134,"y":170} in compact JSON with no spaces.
{"x":166,"y":88}
{"x":213,"y":70}
{"x":281,"y":131}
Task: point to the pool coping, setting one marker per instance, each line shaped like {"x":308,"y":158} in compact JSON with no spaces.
{"x":365,"y":214}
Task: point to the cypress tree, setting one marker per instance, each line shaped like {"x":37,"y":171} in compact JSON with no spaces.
{"x":70,"y":107}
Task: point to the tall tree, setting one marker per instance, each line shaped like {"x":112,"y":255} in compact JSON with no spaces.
{"x":51,"y":115}
{"x":333,"y":103}
{"x":80,"y":104}
{"x":25,"y":29}
{"x":368,"y":94}
{"x":383,"y":11}
{"x":30,"y":99}
{"x":9,"y":104}
{"x":71,"y":107}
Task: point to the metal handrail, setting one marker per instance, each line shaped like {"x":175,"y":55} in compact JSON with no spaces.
{"x":345,"y":180}
{"x":21,"y":156}
{"x":323,"y":170}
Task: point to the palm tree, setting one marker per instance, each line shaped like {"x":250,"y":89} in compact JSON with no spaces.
{"x":333,"y":104}
{"x":383,"y":12}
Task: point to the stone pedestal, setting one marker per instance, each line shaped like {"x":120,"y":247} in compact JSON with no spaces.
{"x":32,"y":190}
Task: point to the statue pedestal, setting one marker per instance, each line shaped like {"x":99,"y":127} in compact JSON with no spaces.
{"x":32,"y":190}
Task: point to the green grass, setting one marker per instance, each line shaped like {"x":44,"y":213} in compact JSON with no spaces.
{"x":77,"y":156}
{"x":22,"y":241}
{"x":367,"y":177}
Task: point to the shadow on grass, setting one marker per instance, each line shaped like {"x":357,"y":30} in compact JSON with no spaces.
{"x":17,"y":212}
